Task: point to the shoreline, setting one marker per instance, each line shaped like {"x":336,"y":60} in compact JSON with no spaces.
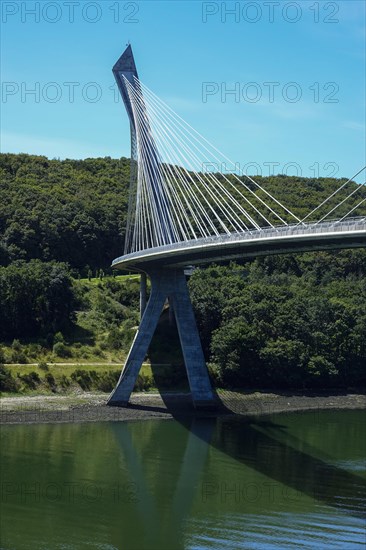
{"x":92,"y":407}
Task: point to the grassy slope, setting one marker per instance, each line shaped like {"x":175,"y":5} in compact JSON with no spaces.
{"x":103,"y":312}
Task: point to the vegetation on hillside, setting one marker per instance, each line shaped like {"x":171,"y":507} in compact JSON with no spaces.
{"x":69,"y":211}
{"x":289,"y":321}
{"x":294,"y":320}
{"x":97,"y":322}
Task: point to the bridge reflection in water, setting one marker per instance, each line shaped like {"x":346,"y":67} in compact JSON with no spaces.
{"x":291,"y":475}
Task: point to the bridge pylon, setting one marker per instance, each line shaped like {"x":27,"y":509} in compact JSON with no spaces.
{"x":165,"y":283}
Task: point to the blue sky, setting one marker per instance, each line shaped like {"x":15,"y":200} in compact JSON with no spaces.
{"x":297,"y":69}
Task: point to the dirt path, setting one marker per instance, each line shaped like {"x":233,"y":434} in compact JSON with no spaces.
{"x":92,"y":407}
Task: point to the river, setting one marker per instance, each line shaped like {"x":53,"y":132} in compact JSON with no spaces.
{"x":283,"y":481}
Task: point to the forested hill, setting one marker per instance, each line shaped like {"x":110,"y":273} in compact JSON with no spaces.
{"x":71,"y":211}
{"x":297,"y":320}
{"x":74,"y":211}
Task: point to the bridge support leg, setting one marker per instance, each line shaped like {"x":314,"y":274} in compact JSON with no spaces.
{"x":167,"y":283}
{"x":142,"y":293}
{"x":171,"y":313}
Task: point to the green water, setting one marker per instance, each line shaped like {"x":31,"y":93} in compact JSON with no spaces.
{"x":285,"y":481}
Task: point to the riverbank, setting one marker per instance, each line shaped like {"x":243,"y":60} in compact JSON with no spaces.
{"x":92,"y":407}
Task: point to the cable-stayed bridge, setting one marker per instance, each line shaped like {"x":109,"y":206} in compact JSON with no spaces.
{"x":182,"y":214}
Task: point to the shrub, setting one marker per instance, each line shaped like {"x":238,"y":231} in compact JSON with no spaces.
{"x":7,"y":382}
{"x":61,"y":350}
{"x":64,"y":381}
{"x":16,"y":345}
{"x":128,"y":334}
{"x":108,"y":380}
{"x":34,"y":350}
{"x":214,"y":372}
{"x":58,"y":337}
{"x":144,"y":382}
{"x":31,"y":380}
{"x":114,"y":339}
{"x":84,"y":352}
{"x":51,"y":382}
{"x":18,"y":357}
{"x":321,"y":370}
{"x":43,"y":365}
{"x":98,"y":352}
{"x":83,"y":378}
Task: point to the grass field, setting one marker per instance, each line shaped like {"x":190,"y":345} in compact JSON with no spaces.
{"x":63,"y":378}
{"x":119,"y":278}
{"x":59,"y":369}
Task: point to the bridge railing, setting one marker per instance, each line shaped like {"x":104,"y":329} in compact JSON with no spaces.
{"x":350,"y":224}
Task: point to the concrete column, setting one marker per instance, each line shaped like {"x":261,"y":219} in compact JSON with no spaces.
{"x":122,"y":391}
{"x":194,"y":360}
{"x":164,"y":283}
{"x":142,"y":293}
{"x":171,"y":312}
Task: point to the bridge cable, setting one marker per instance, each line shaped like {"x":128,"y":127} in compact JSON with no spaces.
{"x":332,"y":195}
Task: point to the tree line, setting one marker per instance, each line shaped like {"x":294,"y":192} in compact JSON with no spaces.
{"x":291,"y":320}
{"x":67,"y":211}
{"x":75,"y":211}
{"x":286,"y":321}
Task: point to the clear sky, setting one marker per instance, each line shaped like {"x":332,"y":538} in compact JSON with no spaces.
{"x":296,"y":70}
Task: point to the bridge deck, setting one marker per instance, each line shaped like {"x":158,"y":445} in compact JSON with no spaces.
{"x":349,"y":233}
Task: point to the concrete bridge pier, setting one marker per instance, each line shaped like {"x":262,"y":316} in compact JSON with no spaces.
{"x":167,"y":283}
{"x":143,"y":288}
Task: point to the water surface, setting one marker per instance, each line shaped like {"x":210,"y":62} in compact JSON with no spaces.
{"x":283,"y":481}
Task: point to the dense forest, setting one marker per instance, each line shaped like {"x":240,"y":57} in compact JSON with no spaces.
{"x":279,"y":321}
{"x":69,"y":211}
{"x":288,"y":321}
